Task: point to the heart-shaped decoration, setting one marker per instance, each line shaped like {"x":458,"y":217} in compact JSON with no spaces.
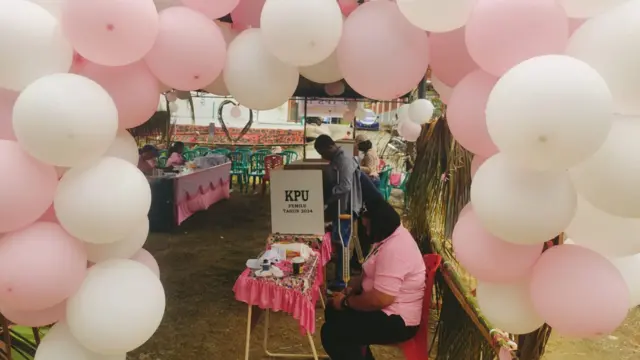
{"x":244,"y":130}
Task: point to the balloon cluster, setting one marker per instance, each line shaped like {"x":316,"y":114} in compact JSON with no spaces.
{"x":412,"y":116}
{"x":74,"y":204}
{"x":545,"y":94}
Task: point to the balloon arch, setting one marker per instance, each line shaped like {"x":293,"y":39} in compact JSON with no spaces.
{"x":539,"y":141}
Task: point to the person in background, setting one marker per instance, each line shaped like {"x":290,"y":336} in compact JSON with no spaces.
{"x":147,"y":159}
{"x":370,"y":161}
{"x":175,"y":155}
{"x":347,"y":187}
{"x":384,"y":305}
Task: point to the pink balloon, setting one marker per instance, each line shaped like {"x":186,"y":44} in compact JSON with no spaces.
{"x":78,"y":63}
{"x":36,"y":318}
{"x":235,"y":112}
{"x":476,"y":163}
{"x":574,"y":24}
{"x":108,"y":32}
{"x":410,"y":130}
{"x":334,"y":89}
{"x":381,"y":55}
{"x":171,"y":97}
{"x":49,"y":215}
{"x":7,"y":99}
{"x":212,"y":9}
{"x":347,"y":6}
{"x":579,"y":292}
{"x":247,"y":14}
{"x":40,"y":266}
{"x":146,"y":259}
{"x":465,"y":113}
{"x":133,"y":88}
{"x":488,"y":258}
{"x":503,"y":33}
{"x":450,"y":60}
{"x":27,"y":190}
{"x":190,"y":51}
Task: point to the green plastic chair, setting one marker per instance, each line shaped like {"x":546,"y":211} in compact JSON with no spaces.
{"x":403,"y":185}
{"x":221,"y":151}
{"x":244,"y":150}
{"x":162,"y":161}
{"x":201,"y":151}
{"x":264,"y":151}
{"x":385,"y":186}
{"x":239,"y":169}
{"x":257,"y":167}
{"x":189,"y":155}
{"x":289,"y":156}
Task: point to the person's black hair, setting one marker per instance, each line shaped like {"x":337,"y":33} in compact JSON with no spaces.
{"x":365,"y":146}
{"x":323,"y":142}
{"x":383,"y":218}
{"x":176,"y":145}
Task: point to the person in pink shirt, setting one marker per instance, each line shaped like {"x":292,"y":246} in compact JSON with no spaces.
{"x":175,"y":155}
{"x":384,"y":305}
{"x":147,"y":159}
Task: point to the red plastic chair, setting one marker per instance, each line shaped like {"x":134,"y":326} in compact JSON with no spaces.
{"x":418,"y":347}
{"x":270,"y":162}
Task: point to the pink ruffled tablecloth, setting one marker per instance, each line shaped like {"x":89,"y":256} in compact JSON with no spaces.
{"x":201,"y":189}
{"x":295,"y":295}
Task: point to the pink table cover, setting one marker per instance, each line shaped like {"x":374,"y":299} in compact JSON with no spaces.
{"x":199,"y":190}
{"x":295,"y":295}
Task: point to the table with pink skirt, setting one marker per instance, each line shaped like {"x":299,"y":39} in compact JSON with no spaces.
{"x":295,"y":295}
{"x":176,"y":198}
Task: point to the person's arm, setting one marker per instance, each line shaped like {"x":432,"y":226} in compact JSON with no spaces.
{"x":345,"y":173}
{"x":355,"y":285}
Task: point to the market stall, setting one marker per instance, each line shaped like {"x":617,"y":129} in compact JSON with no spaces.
{"x":175,"y":197}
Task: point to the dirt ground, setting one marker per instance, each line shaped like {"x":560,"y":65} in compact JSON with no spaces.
{"x":200,"y":262}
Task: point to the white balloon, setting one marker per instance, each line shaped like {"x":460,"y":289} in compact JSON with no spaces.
{"x":562,"y":116}
{"x":118,"y":307}
{"x":588,"y":8}
{"x":608,"y":43}
{"x":519,"y":205}
{"x":32,"y":45}
{"x":52,"y":6}
{"x":409,"y":130}
{"x":609,"y":179}
{"x":123,"y":248}
{"x":604,"y":233}
{"x":403,"y":112}
{"x":103,"y":202}
{"x":629,"y":267}
{"x":65,"y":120}
{"x":325,"y":72}
{"x":421,"y":111}
{"x":124,"y":147}
{"x":508,"y":306}
{"x":436,"y":15}
{"x":218,"y":87}
{"x":256,"y":78}
{"x":301,"y":33}
{"x":59,"y":344}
